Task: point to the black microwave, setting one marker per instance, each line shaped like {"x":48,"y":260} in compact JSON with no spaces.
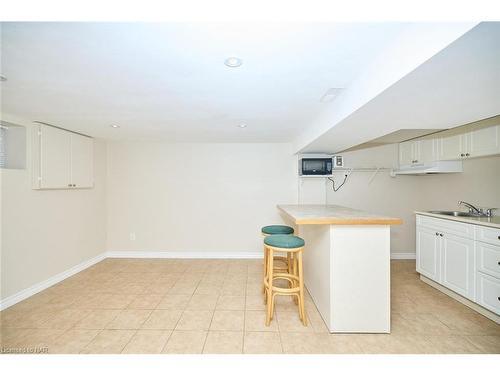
{"x":315,"y":166}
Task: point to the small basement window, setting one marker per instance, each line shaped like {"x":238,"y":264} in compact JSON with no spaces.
{"x":12,"y":146}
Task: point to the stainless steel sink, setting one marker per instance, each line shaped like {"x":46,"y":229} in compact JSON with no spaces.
{"x":455,"y":213}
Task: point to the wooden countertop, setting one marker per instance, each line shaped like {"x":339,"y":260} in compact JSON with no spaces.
{"x":331,"y":214}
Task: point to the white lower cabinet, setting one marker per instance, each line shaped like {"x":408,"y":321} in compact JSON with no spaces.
{"x":461,"y":263}
{"x":488,"y":292}
{"x":488,"y":259}
{"x":428,"y":253}
{"x":457,"y":255}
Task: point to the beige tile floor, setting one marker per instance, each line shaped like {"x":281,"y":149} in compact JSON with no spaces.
{"x":215,"y":306}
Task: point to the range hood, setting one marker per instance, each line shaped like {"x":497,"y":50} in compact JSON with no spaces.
{"x":433,"y":167}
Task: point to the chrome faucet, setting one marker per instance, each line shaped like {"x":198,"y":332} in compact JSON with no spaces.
{"x":488,"y":212}
{"x":471,"y":208}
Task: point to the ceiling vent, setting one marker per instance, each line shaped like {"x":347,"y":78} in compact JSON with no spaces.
{"x":331,"y":94}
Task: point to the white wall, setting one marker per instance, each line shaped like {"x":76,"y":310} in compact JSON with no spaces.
{"x":187,"y":197}
{"x":479,"y":184}
{"x":45,"y":232}
{"x":401,"y":196}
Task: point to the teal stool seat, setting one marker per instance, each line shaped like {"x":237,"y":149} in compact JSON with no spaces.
{"x":284,"y":241}
{"x":277,"y":229}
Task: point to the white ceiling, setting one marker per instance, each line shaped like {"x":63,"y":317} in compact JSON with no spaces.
{"x":457,"y":86}
{"x":168,"y":81}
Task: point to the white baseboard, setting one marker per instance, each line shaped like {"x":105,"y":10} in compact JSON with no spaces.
{"x":403,"y":256}
{"x":185,"y":254}
{"x":32,"y":290}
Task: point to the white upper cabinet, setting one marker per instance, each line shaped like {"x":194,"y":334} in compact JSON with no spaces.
{"x":426,"y":150}
{"x":478,"y":142}
{"x":82,"y":161}
{"x":452,"y":147}
{"x":406,"y":154}
{"x":485,"y":141}
{"x":472,"y":141}
{"x":55,"y":160}
{"x":416,"y":152}
{"x":62,"y":159}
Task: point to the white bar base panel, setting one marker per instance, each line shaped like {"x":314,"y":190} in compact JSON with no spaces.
{"x":474,"y":306}
{"x":347,"y":273}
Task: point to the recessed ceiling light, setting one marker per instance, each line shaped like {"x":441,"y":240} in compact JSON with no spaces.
{"x":233,"y":62}
{"x":115,"y":126}
{"x":330,"y":94}
{"x":3,"y":78}
{"x":242,"y":125}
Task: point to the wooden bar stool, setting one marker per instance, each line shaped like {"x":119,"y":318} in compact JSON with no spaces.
{"x":293,"y":246}
{"x":270,"y":230}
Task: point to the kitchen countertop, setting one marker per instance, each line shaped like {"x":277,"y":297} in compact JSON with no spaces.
{"x":332,"y":214}
{"x":493,"y":221}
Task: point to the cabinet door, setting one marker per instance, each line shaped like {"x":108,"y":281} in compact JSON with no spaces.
{"x":457,"y":255}
{"x":484,"y":141}
{"x":488,"y":259}
{"x":82,"y":151}
{"x":488,"y":292}
{"x":426,"y":151}
{"x":55,"y":158}
{"x":452,"y":147}
{"x":428,"y":254}
{"x":416,"y":152}
{"x":406,"y":151}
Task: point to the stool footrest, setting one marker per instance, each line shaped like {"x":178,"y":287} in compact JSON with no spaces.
{"x":286,"y":276}
{"x":286,"y":291}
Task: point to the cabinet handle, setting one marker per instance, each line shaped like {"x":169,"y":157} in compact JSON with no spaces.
{"x":499,"y":237}
{"x":441,"y":234}
{"x":467,"y":154}
{"x":437,"y":234}
{"x":69,"y":185}
{"x":462,"y":155}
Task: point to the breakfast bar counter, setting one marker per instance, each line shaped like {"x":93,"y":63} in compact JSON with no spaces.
{"x":346,"y":265}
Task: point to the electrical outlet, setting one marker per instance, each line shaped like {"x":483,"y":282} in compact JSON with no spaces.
{"x":132,"y":236}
